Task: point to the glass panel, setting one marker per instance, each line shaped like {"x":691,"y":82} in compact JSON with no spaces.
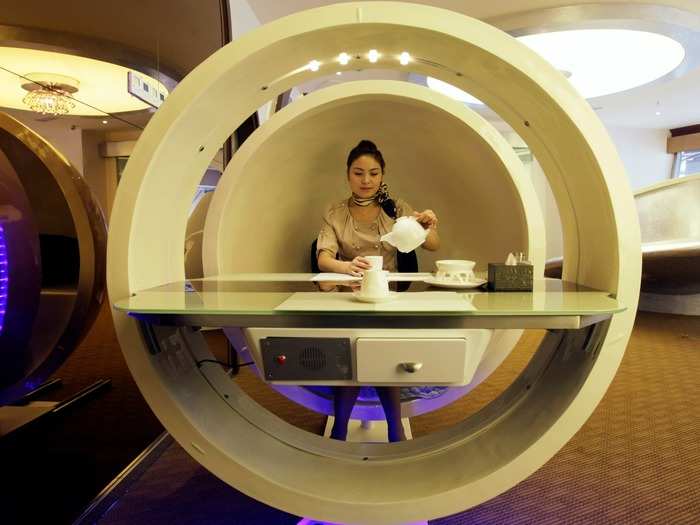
{"x":264,"y":294}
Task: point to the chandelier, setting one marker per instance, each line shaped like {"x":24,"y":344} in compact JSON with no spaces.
{"x":49,"y":93}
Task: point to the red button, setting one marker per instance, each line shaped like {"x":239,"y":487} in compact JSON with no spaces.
{"x":281,"y":359}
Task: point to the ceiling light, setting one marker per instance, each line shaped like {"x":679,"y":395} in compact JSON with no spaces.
{"x":603,"y":61}
{"x":104,"y":122}
{"x":373,"y":55}
{"x":314,"y":65}
{"x":596,"y":61}
{"x":404,"y":58}
{"x":102,"y":85}
{"x":338,"y":73}
{"x":49,"y":93}
{"x":451,"y":91}
{"x":343,"y":59}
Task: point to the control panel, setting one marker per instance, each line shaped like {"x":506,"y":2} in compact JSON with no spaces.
{"x":306,"y":358}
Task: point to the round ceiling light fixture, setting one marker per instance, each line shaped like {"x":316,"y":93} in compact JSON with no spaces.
{"x":606,"y":61}
{"x":597,"y":62}
{"x":49,"y":93}
{"x":103,"y":85}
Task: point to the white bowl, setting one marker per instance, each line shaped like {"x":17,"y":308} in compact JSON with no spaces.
{"x":455,"y":265}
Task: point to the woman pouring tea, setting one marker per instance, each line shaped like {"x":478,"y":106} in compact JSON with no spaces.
{"x":351,"y":230}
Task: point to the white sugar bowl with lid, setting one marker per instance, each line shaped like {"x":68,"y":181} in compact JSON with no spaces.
{"x":406,"y":235}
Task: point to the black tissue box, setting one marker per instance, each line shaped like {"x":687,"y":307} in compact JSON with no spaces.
{"x":510,"y":278}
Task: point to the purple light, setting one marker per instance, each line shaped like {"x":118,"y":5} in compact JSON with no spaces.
{"x":3,"y":280}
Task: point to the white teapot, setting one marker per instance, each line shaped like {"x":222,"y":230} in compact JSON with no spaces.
{"x":406,"y":235}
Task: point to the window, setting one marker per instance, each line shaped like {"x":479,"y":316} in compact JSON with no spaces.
{"x":686,"y":163}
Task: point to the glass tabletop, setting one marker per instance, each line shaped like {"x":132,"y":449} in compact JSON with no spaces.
{"x":287,"y":294}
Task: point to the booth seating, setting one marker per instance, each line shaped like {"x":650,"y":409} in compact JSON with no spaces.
{"x":588,"y":315}
{"x":670,"y":230}
{"x":432,"y":175}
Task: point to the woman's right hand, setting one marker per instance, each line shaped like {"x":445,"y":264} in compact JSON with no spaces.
{"x":358,"y":265}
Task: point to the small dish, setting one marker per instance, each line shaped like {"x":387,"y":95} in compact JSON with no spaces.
{"x":476,"y":283}
{"x":375,"y":298}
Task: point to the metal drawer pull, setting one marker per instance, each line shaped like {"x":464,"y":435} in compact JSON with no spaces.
{"x":411,"y":367}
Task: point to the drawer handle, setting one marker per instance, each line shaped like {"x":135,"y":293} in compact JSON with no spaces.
{"x":411,"y":368}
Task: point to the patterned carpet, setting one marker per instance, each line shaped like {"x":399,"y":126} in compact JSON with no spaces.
{"x":637,"y":459}
{"x":53,"y":469}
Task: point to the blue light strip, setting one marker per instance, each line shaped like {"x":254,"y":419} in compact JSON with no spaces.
{"x":3,"y":276}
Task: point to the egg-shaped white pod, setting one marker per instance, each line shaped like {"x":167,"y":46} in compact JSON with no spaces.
{"x":68,"y":236}
{"x":443,"y":472}
{"x":288,"y":171}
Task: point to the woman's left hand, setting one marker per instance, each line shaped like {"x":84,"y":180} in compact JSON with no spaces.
{"x":426,"y":218}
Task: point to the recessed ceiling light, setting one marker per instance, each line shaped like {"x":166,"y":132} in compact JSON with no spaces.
{"x":596,"y":61}
{"x":404,"y":58}
{"x":102,"y":85}
{"x":604,"y":61}
{"x":104,"y":122}
{"x":314,"y":65}
{"x":373,"y":55}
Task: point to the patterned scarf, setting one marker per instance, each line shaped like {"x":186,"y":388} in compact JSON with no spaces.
{"x":379,"y":197}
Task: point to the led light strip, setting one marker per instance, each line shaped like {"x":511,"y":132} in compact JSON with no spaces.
{"x":3,"y":276}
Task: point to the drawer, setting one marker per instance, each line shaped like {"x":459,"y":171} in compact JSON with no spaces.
{"x":438,"y":361}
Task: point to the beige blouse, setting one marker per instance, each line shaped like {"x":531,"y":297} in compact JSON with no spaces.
{"x":342,"y":234}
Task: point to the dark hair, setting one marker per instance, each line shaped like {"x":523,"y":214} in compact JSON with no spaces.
{"x":365,"y":147}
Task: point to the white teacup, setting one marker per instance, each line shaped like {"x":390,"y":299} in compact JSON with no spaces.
{"x":376,"y":262}
{"x":374,"y":283}
{"x":455,"y":270}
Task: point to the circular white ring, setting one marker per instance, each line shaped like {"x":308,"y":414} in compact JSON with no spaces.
{"x":601,"y":249}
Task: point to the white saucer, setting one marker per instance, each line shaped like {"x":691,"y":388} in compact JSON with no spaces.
{"x":375,"y":299}
{"x":476,"y":283}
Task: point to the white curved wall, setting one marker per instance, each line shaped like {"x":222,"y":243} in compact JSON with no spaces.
{"x":440,"y":155}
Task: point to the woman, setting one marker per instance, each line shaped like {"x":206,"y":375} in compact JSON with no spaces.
{"x":351,"y":229}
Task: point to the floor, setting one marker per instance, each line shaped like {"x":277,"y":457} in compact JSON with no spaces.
{"x":53,"y":468}
{"x":636,"y":460}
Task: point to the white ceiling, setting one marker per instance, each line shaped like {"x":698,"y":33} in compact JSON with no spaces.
{"x":268,"y":10}
{"x":677,"y":99}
